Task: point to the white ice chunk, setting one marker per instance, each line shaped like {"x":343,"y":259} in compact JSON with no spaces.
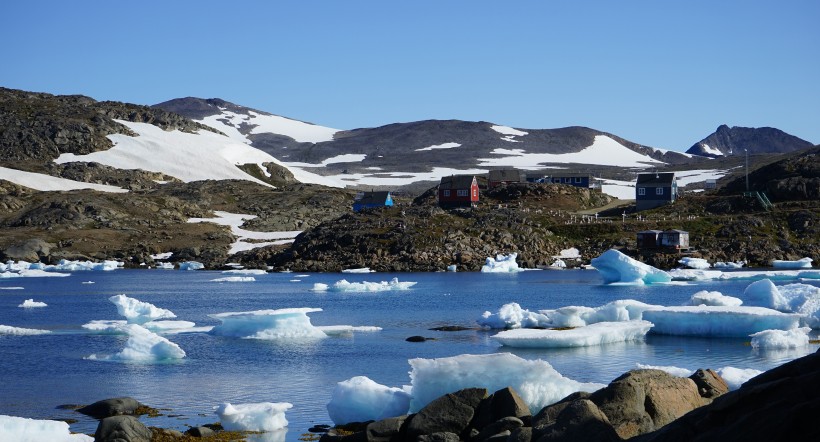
{"x":695,"y":274}
{"x":342,"y":330}
{"x":536,"y":381}
{"x":289,"y":324}
{"x":31,"y":303}
{"x":559,"y":264}
{"x":705,"y":297}
{"x":235,"y":279}
{"x":596,"y":334}
{"x":804,"y":263}
{"x":674,"y":371}
{"x":191,"y":265}
{"x":165,"y":265}
{"x":358,"y":270}
{"x":764,"y":293}
{"x":144,"y":346}
{"x":570,"y":253}
{"x":18,"y":331}
{"x":138,"y":312}
{"x":579,"y":316}
{"x":614,"y":266}
{"x":249,"y":272}
{"x":501,"y":264}
{"x":735,"y":377}
{"x":803,"y":299}
{"x":717,"y":321}
{"x":264,"y":416}
{"x":345,"y":286}
{"x":320,"y":287}
{"x":30,"y":273}
{"x":452,"y":268}
{"x":21,"y":429}
{"x":513,"y":316}
{"x":360,"y":399}
{"x":729,"y":265}
{"x":781,"y":339}
{"x":694,"y":263}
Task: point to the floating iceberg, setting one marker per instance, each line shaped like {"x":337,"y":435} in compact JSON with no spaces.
{"x":30,"y":273}
{"x":18,"y":331}
{"x":614,"y":266}
{"x":694,"y":263}
{"x":191,"y":265}
{"x":144,"y":346}
{"x":21,"y":429}
{"x":343,"y":330}
{"x":256,"y":272}
{"x":558,"y":264}
{"x":65,"y":265}
{"x":345,"y":286}
{"x":264,"y":416}
{"x":452,"y":268}
{"x":235,"y":279}
{"x":360,"y":399}
{"x":781,"y":339}
{"x":803,"y":299}
{"x":804,"y":263}
{"x":536,"y":381}
{"x":359,"y":270}
{"x":694,"y":274}
{"x":733,"y":376}
{"x":501,"y":264}
{"x":116,"y":327}
{"x":717,"y":321}
{"x":289,"y":324}
{"x":705,"y":297}
{"x":729,"y":265}
{"x":513,"y":316}
{"x":165,"y":265}
{"x":138,"y":312}
{"x":31,"y":303}
{"x":596,"y":334}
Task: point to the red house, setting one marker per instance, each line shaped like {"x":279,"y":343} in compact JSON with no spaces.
{"x":458,"y":191}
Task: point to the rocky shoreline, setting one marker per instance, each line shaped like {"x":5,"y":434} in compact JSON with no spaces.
{"x":643,"y":405}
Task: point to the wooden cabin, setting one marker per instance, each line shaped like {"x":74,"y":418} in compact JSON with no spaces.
{"x":505,"y":176}
{"x":370,"y":200}
{"x":458,"y":191}
{"x":655,"y":190}
{"x":648,"y":239}
{"x":584,"y":180}
{"x":674,"y":239}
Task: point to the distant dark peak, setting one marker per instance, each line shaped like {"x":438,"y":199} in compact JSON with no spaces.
{"x":722,"y":128}
{"x":754,"y":140}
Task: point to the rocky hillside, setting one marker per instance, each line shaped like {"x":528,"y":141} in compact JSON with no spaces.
{"x":736,"y":140}
{"x":796,"y":177}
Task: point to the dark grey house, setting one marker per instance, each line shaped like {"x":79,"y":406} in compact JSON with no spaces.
{"x":655,"y":190}
{"x":505,"y":176}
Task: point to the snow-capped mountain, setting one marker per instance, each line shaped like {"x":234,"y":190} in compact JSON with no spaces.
{"x":726,"y":141}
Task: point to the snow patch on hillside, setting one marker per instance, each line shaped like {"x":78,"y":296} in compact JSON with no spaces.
{"x":603,"y":151}
{"x":47,"y":183}
{"x":229,"y":122}
{"x":710,"y":150}
{"x":686,"y":177}
{"x":439,"y":146}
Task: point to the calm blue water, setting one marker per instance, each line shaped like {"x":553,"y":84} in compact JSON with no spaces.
{"x":37,"y":373}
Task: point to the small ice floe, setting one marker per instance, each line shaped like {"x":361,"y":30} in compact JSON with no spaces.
{"x":358,"y":270}
{"x":614,"y":267}
{"x":345,"y":286}
{"x":705,"y":297}
{"x":294,"y":280}
{"x":536,"y":381}
{"x":165,"y":265}
{"x":513,"y":316}
{"x":720,"y":265}
{"x":781,"y":339}
{"x":302,"y":276}
{"x":600,"y":333}
{"x":570,"y":253}
{"x":21,"y":429}
{"x":501,"y":264}
{"x":256,"y":272}
{"x":694,"y":263}
{"x":117,"y":327}
{"x":18,"y":331}
{"x":558,"y":264}
{"x":733,"y":376}
{"x":235,"y":279}
{"x":12,"y":288}
{"x":144,"y":346}
{"x":87,"y":282}
{"x":138,"y":312}
{"x":360,"y":399}
{"x":717,"y":321}
{"x":263,"y":416}
{"x":31,"y":273}
{"x":191,"y":265}
{"x":345,"y":330}
{"x":164,"y":255}
{"x":73,"y":266}
{"x":288,"y":324}
{"x":804,"y":263}
{"x":31,"y":303}
{"x":452,"y":268}
{"x":694,"y":274}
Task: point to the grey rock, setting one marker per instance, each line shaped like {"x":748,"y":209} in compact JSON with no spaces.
{"x":523,"y":434}
{"x":30,"y":250}
{"x":580,"y":421}
{"x":111,"y":407}
{"x":498,"y":437}
{"x":547,"y":415}
{"x":122,"y":429}
{"x":385,"y":429}
{"x":200,"y":432}
{"x":502,"y":403}
{"x":710,"y":384}
{"x":503,"y":425}
{"x":443,"y":436}
{"x":451,"y":413}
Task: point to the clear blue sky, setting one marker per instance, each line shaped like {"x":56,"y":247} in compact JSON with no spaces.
{"x":660,"y":73}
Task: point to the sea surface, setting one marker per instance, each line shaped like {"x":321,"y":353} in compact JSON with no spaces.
{"x":40,"y":373}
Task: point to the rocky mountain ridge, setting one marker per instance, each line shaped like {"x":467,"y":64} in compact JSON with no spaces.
{"x":726,"y":141}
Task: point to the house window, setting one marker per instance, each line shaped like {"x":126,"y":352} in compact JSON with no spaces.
{"x":577,"y":179}
{"x":641,"y":191}
{"x":659,"y":191}
{"x":556,"y":180}
{"x":462,"y":192}
{"x":446,"y":193}
{"x":567,"y":180}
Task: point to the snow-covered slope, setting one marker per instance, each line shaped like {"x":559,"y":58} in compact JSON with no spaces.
{"x":231,"y":123}
{"x":42,"y":182}
{"x":188,"y":157}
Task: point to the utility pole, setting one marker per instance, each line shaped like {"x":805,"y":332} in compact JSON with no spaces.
{"x":747,"y":169}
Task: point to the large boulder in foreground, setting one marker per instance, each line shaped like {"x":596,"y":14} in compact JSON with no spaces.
{"x":111,"y":407}
{"x":451,"y":413}
{"x":122,"y":429}
{"x":780,"y":404}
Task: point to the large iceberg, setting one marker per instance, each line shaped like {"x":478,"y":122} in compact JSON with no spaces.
{"x":264,"y":416}
{"x":803,"y":299}
{"x":536,"y":381}
{"x":804,"y":263}
{"x":717,"y":321}
{"x":144,"y":346}
{"x":614,"y":266}
{"x":694,"y":263}
{"x":511,"y":315}
{"x":501,"y":264}
{"x":596,"y":334}
{"x":360,"y":399}
{"x":288,"y":324}
{"x":781,"y":339}
{"x":138,"y":312}
{"x":21,"y":429}
{"x":345,"y":286}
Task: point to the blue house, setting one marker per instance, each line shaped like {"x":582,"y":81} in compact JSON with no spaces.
{"x":584,"y":180}
{"x":369,"y":200}
{"x":655,"y":190}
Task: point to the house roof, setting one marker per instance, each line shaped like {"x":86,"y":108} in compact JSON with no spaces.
{"x":456,"y":182}
{"x":648,"y":232}
{"x":506,"y":175}
{"x":675,"y":231}
{"x":656,"y":179}
{"x":369,"y":198}
{"x":570,"y":175}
